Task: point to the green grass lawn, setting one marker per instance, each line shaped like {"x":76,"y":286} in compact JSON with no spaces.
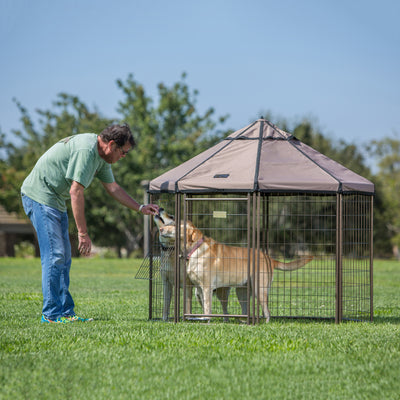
{"x":122,"y":355}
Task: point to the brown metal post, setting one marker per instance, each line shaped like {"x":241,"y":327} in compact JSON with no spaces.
{"x":249,"y":282}
{"x":265,"y":241}
{"x":150,"y":273}
{"x":146,"y":219}
{"x":266,"y":223}
{"x":185,"y":311}
{"x":339,"y":257}
{"x":258,"y":255}
{"x":255,"y":279}
{"x":371,"y":277}
{"x":187,"y":287}
{"x":177,"y":259}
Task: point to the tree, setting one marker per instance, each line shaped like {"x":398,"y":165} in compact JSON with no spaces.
{"x":387,"y":153}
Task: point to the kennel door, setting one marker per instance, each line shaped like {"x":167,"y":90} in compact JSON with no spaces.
{"x":220,"y":226}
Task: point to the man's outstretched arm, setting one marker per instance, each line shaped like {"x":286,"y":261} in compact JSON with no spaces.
{"x":119,"y":194}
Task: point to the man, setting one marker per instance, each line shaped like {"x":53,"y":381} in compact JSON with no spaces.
{"x":65,"y":171}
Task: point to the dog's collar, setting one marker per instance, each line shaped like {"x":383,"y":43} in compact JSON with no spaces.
{"x":195,"y":247}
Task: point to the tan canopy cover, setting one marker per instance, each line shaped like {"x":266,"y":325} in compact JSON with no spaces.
{"x":260,"y":157}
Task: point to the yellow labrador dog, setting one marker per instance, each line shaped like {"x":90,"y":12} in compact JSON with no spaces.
{"x":212,"y":265}
{"x":166,"y":226}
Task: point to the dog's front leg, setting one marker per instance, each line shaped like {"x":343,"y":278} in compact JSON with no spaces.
{"x":207,"y":298}
{"x":199,"y":296}
{"x":167,"y":294}
{"x":189,"y":296}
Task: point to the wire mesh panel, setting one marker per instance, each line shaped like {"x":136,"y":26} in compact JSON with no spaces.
{"x":337,"y":236}
{"x":152,"y":269}
{"x":356,"y":262}
{"x":160,"y":267}
{"x":295,"y":227}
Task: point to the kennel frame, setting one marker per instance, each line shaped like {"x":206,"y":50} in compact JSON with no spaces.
{"x":255,"y":201}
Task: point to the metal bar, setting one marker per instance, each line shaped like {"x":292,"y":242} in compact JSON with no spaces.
{"x":146,"y":220}
{"x":255,"y":277}
{"x":214,"y":315}
{"x":248,"y":258}
{"x":339,"y":256}
{"x":266,"y":218}
{"x":187,"y":291}
{"x":337,"y":262}
{"x":215,"y":199}
{"x":177,"y":252}
{"x":371,"y":273}
{"x":258,"y":254}
{"x":185,"y":198}
{"x":150,"y":272}
{"x":260,"y":144}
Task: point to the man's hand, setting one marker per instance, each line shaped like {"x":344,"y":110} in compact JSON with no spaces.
{"x":85,"y":244}
{"x":150,"y":209}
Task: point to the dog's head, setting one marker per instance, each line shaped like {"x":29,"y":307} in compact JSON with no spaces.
{"x":193,"y":234}
{"x":167,"y":228}
{"x":163,"y":218}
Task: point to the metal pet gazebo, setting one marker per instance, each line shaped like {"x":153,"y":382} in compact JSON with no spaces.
{"x":263,"y":189}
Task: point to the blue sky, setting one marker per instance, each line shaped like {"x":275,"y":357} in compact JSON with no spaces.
{"x":334,"y":61}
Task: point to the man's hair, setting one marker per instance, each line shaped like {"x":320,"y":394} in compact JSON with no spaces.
{"x":121,"y":134}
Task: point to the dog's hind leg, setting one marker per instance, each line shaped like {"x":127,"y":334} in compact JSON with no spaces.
{"x":222,"y":294}
{"x":266,"y":278}
{"x":241,"y":293}
{"x":263,"y":299}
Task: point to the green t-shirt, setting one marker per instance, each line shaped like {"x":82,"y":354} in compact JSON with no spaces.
{"x":74,"y":158}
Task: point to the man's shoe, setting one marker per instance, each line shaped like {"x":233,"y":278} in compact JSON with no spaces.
{"x":75,"y":318}
{"x":46,"y":320}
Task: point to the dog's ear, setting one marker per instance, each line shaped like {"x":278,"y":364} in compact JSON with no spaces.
{"x":169,"y":216}
{"x":166,"y":215}
{"x":196,"y":234}
{"x":193,"y":235}
{"x":189,"y":231}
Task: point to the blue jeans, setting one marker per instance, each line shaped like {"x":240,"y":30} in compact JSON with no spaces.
{"x":51,"y":226}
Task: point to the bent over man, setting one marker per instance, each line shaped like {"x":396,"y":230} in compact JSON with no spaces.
{"x":62,"y":172}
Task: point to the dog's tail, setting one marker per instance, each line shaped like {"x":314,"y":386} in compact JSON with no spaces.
{"x":293,"y":265}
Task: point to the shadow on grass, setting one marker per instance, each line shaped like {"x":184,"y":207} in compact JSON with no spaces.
{"x":394,"y":320}
{"x":387,"y":320}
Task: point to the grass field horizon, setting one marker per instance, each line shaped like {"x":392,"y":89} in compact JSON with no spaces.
{"x":123,"y":355}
